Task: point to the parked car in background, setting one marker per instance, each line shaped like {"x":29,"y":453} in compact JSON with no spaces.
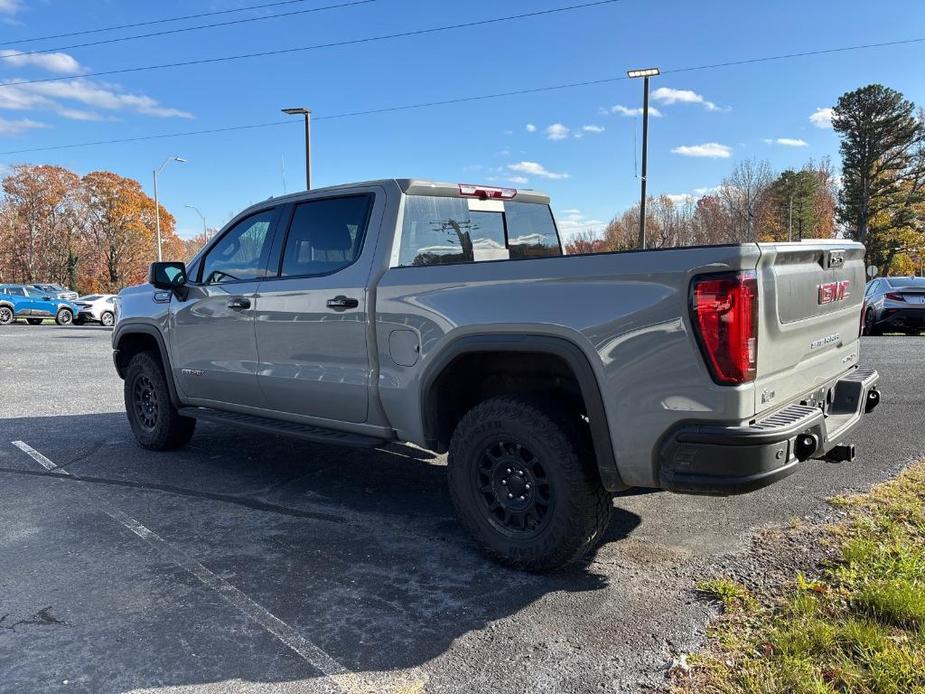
{"x":96,"y":308}
{"x":34,"y":305}
{"x":57,"y":291}
{"x":895,"y":304}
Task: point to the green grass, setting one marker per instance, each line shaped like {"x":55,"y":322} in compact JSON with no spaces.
{"x":857,"y":627}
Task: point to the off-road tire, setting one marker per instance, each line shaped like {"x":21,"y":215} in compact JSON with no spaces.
{"x":34,"y":321}
{"x":578,"y":507}
{"x":64,"y":317}
{"x":6,"y":315}
{"x":108,"y":319}
{"x":154,"y":420}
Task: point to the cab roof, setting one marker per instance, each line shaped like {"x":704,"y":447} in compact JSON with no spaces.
{"x":410,"y":186}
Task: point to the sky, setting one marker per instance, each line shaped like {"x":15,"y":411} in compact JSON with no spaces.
{"x":579,"y":144}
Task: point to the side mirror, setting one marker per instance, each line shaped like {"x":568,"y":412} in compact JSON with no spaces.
{"x":167,"y":275}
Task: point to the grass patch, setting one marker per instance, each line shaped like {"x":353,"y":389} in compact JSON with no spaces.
{"x":857,"y":627}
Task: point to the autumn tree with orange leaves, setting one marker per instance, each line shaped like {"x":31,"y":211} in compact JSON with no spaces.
{"x":93,"y":234}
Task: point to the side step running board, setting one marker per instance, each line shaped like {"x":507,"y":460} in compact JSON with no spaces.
{"x":275,"y":426}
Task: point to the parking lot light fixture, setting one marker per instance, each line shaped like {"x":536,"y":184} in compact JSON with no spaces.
{"x":157,"y":207}
{"x":307,"y":114}
{"x":645,"y":74}
{"x":205,"y":229}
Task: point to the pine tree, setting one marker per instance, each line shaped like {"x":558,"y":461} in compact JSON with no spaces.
{"x":883,"y":158}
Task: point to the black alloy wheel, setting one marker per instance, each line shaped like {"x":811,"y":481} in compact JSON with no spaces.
{"x":514,"y":488}
{"x":144,"y":400}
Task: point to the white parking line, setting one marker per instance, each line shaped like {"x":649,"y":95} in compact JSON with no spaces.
{"x":344,"y":680}
{"x":38,"y":457}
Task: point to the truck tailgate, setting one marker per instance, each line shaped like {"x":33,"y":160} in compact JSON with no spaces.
{"x":809,"y":323}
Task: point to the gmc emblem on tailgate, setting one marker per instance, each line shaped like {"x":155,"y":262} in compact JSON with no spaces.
{"x":833,"y":291}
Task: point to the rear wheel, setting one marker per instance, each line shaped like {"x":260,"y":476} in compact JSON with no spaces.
{"x":870,"y":327}
{"x":6,"y":315}
{"x":520,"y":487}
{"x":34,"y":321}
{"x":65,"y":317}
{"x":107,"y":318}
{"x":155,"y":421}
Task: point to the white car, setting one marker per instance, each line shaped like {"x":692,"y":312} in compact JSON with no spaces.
{"x":96,"y":308}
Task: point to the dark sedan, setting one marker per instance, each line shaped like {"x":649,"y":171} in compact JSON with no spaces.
{"x":895,"y":304}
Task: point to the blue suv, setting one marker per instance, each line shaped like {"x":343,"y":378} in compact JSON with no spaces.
{"x":20,"y":301}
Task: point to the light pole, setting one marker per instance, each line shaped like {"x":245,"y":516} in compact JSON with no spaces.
{"x":157,"y":206}
{"x":301,"y":111}
{"x":205,"y":229}
{"x":645,"y":73}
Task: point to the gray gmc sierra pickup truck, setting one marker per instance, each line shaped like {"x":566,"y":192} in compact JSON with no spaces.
{"x":447,"y":316}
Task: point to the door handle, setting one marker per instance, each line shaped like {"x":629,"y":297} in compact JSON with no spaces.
{"x":238,"y":303}
{"x":340,"y":303}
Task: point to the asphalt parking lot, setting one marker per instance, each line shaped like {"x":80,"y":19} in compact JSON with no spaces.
{"x":247,"y":563}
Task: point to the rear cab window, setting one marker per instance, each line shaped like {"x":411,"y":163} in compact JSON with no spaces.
{"x":450,"y":230}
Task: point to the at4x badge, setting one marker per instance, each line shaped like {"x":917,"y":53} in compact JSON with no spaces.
{"x":831,"y":292}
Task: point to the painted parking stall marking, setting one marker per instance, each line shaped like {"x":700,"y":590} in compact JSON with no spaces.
{"x":343,"y":680}
{"x":38,"y":457}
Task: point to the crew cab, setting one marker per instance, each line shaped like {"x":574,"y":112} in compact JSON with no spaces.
{"x":448,"y":316}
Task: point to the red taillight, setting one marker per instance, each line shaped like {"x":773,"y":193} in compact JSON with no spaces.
{"x":486,"y":192}
{"x":725,"y":310}
{"x":894,"y":296}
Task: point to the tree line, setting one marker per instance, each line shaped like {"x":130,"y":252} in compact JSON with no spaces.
{"x":879,"y":198}
{"x":93,"y":233}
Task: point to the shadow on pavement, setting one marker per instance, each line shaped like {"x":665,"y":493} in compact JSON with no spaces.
{"x":357,"y":550}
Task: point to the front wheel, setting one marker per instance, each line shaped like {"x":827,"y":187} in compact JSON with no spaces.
{"x":107,"y":319}
{"x":520,"y":487}
{"x":65,"y":317}
{"x":155,"y":421}
{"x":6,"y":315}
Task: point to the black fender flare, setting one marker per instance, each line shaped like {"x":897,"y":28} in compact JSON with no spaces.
{"x":559,"y":347}
{"x":123,"y":330}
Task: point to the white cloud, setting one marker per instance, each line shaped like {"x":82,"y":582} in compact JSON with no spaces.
{"x":10,"y":7}
{"x":712,"y":150}
{"x":791,"y":142}
{"x":531,"y":128}
{"x":557,"y":131}
{"x":680,"y":198}
{"x":519,"y":180}
{"x":53,"y":62}
{"x":532,"y":168}
{"x":822,"y":117}
{"x":594,"y":129}
{"x":668,"y":96}
{"x":17,"y":96}
{"x":632,"y":112}
{"x":572,"y":211}
{"x":15,"y":127}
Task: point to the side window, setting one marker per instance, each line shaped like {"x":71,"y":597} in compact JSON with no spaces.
{"x":16,"y":291}
{"x":871,"y":288}
{"x":326,"y":235}
{"x":241,"y":254}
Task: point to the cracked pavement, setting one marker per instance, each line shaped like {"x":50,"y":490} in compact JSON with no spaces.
{"x":356,"y":551}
